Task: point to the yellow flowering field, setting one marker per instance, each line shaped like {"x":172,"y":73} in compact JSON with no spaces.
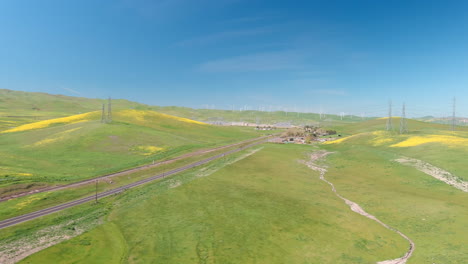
{"x":148,"y":150}
{"x":381,"y":138}
{"x":45,"y":123}
{"x":12,"y":172}
{"x":56,"y":137}
{"x":29,"y":200}
{"x":337,"y":141}
{"x":444,"y":139}
{"x":141,"y":116}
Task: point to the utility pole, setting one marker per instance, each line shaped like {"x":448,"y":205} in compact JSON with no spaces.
{"x":96,"y":191}
{"x":389,"y":120}
{"x":109,"y":111}
{"x":103,"y":116}
{"x":403,"y":124}
{"x":453,"y":114}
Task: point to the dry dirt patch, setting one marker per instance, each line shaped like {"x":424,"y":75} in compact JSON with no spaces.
{"x":316,"y":156}
{"x":435,"y":172}
{"x":12,"y":251}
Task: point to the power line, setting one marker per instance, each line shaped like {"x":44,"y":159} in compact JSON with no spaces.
{"x":389,"y":120}
{"x":103,"y":115}
{"x":403,"y":124}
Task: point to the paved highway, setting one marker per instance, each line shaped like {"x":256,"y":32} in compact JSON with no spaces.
{"x":53,"y":209}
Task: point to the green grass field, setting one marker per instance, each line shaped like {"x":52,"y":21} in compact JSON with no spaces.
{"x":250,"y":207}
{"x":270,"y":208}
{"x":79,"y":147}
{"x":266,"y":208}
{"x":430,"y":212}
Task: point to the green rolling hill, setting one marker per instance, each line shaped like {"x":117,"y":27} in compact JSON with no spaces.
{"x":77,"y":147}
{"x":17,"y":108}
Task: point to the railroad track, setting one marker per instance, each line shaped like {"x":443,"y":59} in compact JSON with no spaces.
{"x":128,"y":171}
{"x":53,"y":209}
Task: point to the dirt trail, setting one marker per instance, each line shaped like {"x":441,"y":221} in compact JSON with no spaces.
{"x":356,"y":208}
{"x":435,"y":172}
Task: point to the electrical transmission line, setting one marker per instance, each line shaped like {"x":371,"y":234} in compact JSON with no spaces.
{"x":109,"y":111}
{"x":389,"y":120}
{"x":403,"y":124}
{"x":103,"y":115}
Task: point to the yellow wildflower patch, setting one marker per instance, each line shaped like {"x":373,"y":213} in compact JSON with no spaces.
{"x":338,"y":140}
{"x":381,"y":138}
{"x":182,"y":119}
{"x":45,"y":123}
{"x":29,"y":200}
{"x":24,"y":174}
{"x":453,"y":141}
{"x":142,"y":116}
{"x":12,"y":172}
{"x":148,"y":150}
{"x":57,"y":137}
{"x":134,"y":114}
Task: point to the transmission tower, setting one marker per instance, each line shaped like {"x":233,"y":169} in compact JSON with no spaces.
{"x":109,"y":111}
{"x":389,"y":120}
{"x":103,"y":115}
{"x":453,"y":114}
{"x":403,"y":124}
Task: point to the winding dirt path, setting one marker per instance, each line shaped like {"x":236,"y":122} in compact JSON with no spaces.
{"x":356,"y":208}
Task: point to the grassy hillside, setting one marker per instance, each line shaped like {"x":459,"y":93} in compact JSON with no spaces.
{"x":431,"y":212}
{"x":80,"y":146}
{"x":252,"y":116}
{"x":270,"y":208}
{"x":18,"y":108}
{"x":377,"y":124}
{"x":460,"y":121}
{"x":265,"y":208}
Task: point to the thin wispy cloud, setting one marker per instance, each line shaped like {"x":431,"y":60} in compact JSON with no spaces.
{"x":270,"y":61}
{"x":223,"y":36}
{"x":153,"y":9}
{"x":70,"y":90}
{"x":170,"y":9}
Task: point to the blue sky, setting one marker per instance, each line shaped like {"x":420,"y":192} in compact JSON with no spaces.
{"x":334,"y":56}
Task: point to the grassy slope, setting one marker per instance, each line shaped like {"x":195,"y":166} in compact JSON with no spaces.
{"x":18,"y":108}
{"x":429,"y":211}
{"x":267,"y":208}
{"x":445,"y":156}
{"x":380,"y":124}
{"x":256,"y":116}
{"x":90,"y":148}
